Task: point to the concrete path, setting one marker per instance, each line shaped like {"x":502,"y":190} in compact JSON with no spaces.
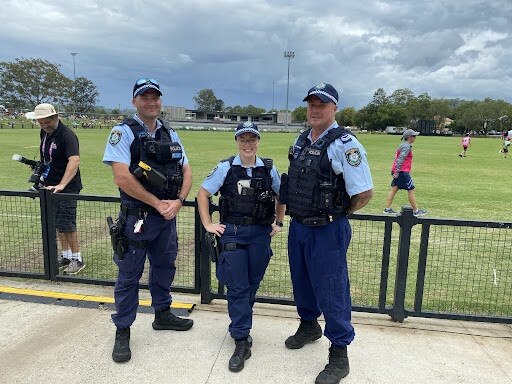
{"x":43,"y":343}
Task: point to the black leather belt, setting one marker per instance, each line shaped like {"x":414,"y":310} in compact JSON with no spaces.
{"x":317,"y":221}
{"x":138,"y":211}
{"x":239,"y":220}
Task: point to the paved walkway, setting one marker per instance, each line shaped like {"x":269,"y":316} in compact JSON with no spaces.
{"x":43,"y":343}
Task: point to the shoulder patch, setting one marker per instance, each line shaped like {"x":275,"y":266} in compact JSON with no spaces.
{"x":115,"y":137}
{"x":213,"y":171}
{"x":346,"y":138}
{"x":353,"y":157}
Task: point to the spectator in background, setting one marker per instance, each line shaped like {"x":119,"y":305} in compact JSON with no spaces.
{"x":59,"y":151}
{"x":401,"y":174}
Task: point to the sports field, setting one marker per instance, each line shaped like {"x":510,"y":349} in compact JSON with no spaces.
{"x":475,"y":187}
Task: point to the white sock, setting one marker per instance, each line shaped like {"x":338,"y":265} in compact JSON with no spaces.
{"x":67,"y":254}
{"x":76,"y":256}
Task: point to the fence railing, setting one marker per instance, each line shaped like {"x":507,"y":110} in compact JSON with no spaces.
{"x":444,"y":268}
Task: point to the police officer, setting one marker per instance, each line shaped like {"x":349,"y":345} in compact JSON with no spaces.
{"x":154,"y":178}
{"x":328,"y":178}
{"x":249,"y":216}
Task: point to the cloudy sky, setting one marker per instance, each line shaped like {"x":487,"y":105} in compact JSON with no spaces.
{"x":446,"y":48}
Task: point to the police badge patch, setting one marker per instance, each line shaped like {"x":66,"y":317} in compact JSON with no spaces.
{"x":353,"y":157}
{"x":213,"y":171}
{"x":115,"y":137}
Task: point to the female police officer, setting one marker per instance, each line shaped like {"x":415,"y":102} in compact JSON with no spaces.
{"x":248,"y":206}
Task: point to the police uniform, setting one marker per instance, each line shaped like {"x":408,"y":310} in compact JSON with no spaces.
{"x":128,"y":143}
{"x":323,"y":176}
{"x":245,"y":243}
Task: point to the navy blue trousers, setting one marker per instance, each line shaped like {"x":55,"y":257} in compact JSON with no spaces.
{"x":242,"y":270}
{"x":161,"y":250}
{"x":318,"y":266}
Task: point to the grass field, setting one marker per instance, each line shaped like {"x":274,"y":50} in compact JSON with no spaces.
{"x":474,"y":187}
{"x":469,"y":268}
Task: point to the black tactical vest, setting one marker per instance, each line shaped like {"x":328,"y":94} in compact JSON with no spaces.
{"x":161,"y":154}
{"x":247,"y":200}
{"x":313,"y":187}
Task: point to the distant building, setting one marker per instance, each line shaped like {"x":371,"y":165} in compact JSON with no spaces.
{"x":180,"y":113}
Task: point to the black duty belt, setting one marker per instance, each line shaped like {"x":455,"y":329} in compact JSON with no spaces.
{"x":317,"y":221}
{"x":138,"y":211}
{"x":239,"y":220}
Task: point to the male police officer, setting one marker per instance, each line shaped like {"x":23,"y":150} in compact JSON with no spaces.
{"x":248,"y":206}
{"x":154,"y":178}
{"x":60,"y":156}
{"x":328,"y":178}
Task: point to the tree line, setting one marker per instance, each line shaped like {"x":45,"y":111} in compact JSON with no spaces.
{"x":28,"y":82}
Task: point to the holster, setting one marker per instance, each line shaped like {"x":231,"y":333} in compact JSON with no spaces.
{"x":120,"y":243}
{"x":212,"y":246}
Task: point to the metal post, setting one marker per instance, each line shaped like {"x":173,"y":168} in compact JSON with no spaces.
{"x":273,"y":84}
{"x":288,"y":55}
{"x":74,"y":82}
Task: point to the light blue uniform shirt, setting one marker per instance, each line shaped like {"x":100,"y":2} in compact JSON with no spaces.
{"x":121,"y":137}
{"x":215,"y":180}
{"x":348,"y":156}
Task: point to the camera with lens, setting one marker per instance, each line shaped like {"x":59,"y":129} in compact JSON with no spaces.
{"x":38,"y":170}
{"x":163,"y":151}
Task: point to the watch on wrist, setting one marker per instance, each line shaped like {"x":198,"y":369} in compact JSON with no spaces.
{"x":182,"y":199}
{"x":279,"y":223}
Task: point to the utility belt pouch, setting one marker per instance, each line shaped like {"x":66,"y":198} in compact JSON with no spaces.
{"x":212,"y":246}
{"x":283,"y":189}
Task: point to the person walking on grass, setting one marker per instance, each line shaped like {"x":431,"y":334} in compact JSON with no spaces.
{"x":506,"y":144}
{"x":465,"y":143}
{"x":401,"y":174}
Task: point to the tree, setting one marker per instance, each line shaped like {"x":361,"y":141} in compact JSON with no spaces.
{"x":346,"y":117}
{"x":401,"y":96}
{"x":84,"y":95}
{"x":28,"y":82}
{"x":206,"y":100}
{"x":299,"y":114}
{"x":219,"y":105}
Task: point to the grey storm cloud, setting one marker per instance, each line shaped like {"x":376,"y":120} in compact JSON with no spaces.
{"x":441,"y":47}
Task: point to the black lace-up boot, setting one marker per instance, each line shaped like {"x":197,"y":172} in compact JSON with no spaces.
{"x":309,"y":330}
{"x":167,"y":320}
{"x":337,"y":368}
{"x":121,"y":352}
{"x":242,"y":353}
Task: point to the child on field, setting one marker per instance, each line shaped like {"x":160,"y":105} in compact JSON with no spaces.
{"x":506,"y":144}
{"x":465,"y":143}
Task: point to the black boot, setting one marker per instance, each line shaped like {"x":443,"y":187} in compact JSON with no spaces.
{"x":337,"y":368}
{"x":242,"y":353}
{"x":167,"y":320}
{"x":309,"y":330}
{"x":121,"y":352}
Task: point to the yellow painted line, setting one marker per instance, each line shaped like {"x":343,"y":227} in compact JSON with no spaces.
{"x":80,"y":297}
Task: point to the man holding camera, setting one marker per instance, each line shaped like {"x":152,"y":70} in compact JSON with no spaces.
{"x":328,"y":179}
{"x":154,"y":178}
{"x":60,"y":158}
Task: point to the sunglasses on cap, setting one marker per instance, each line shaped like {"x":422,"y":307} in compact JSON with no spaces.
{"x":147,"y":80}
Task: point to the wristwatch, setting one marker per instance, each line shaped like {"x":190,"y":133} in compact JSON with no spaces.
{"x":279,"y":223}
{"x":182,"y":199}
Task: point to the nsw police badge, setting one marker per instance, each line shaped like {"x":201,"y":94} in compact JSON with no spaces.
{"x":353,"y":157}
{"x":115,"y":137}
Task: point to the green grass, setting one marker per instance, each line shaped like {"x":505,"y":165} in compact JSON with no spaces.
{"x":447,"y":185}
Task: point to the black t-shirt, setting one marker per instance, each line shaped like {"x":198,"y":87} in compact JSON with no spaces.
{"x":55,"y":150}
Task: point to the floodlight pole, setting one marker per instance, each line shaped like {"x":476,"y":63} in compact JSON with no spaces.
{"x":288,"y":55}
{"x":74,"y":82}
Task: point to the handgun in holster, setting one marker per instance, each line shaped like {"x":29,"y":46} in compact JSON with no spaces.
{"x":155,"y":178}
{"x":119,"y":242}
{"x":212,"y":246}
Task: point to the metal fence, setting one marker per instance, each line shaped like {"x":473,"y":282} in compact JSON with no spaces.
{"x":443,"y":268}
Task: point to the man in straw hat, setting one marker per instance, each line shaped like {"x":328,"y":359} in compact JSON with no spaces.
{"x":59,"y":152}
